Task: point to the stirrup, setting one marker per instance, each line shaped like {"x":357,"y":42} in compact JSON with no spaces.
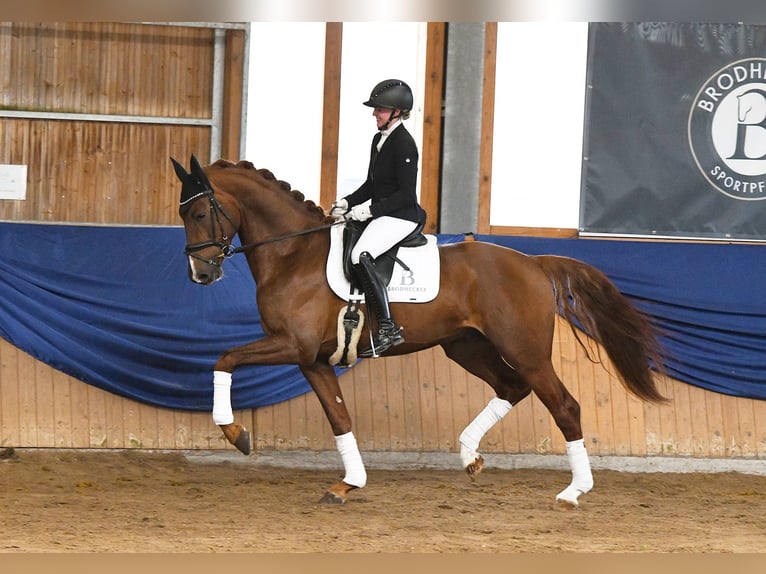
{"x":386,"y":337}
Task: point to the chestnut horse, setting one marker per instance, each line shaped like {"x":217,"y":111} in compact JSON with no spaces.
{"x":494,"y":314}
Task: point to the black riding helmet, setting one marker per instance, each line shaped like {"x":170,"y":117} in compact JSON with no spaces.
{"x":391,"y":94}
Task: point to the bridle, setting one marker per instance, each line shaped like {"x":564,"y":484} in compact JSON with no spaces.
{"x":228,"y":250}
{"x":216,"y":211}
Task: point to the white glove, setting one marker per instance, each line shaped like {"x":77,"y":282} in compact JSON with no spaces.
{"x":339,"y":208}
{"x":360,"y":213}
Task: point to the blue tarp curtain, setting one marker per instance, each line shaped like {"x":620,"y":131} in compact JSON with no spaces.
{"x":113,"y":307}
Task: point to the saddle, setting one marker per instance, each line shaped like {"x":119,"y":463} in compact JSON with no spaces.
{"x":384,"y":264}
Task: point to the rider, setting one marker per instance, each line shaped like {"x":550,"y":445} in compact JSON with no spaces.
{"x":387,"y":200}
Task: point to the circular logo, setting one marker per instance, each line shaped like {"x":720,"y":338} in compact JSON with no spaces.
{"x":727,"y":129}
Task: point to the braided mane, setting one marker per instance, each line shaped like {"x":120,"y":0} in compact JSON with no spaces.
{"x":271,"y":179}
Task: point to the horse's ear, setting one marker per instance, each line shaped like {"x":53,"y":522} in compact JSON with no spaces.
{"x":194,"y":184}
{"x":180,"y":171}
{"x":198,"y":172}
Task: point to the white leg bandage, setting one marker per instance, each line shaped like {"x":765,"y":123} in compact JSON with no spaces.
{"x":356,"y":475}
{"x":222,"y":414}
{"x":582,"y":478}
{"x":470,"y":438}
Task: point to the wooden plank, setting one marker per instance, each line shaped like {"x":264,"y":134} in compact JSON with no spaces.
{"x":699,"y":438}
{"x":533,"y":231}
{"x":714,"y":424}
{"x":667,"y":435}
{"x":430,"y":156}
{"x":282,"y":436}
{"x":147,"y":431}
{"x":395,"y":383}
{"x":378,"y":413}
{"x":108,"y":68}
{"x":27,"y":401}
{"x":587,"y":397}
{"x":413,"y":408}
{"x":80,"y":421}
{"x":747,"y":429}
{"x":328,"y":179}
{"x":362,"y":413}
{"x":298,"y":429}
{"x":526,"y":427}
{"x":62,"y":410}
{"x":263,"y":428}
{"x":43,"y":405}
{"x":445,"y":429}
{"x":97,"y":431}
{"x":428,"y":403}
{"x":759,"y":412}
{"x":620,"y":421}
{"x":458,"y":415}
{"x":182,"y":429}
{"x":317,"y":426}
{"x":731,"y":434}
{"x":9,"y":395}
{"x":636,"y":425}
{"x":233,"y":90}
{"x":114,"y":420}
{"x":683,"y":415}
{"x":487,"y":126}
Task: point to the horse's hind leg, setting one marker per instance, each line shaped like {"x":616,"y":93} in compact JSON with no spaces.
{"x":566,"y":412}
{"x":476,"y":354}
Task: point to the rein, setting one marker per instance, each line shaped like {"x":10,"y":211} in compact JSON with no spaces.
{"x":229,"y":250}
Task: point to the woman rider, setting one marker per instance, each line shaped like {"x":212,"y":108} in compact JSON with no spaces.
{"x":387,"y":200}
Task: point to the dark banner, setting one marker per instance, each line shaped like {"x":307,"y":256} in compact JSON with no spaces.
{"x":675,"y":131}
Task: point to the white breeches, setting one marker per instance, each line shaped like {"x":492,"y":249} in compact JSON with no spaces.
{"x":380,"y":235}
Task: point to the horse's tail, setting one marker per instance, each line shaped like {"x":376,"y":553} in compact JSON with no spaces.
{"x":587,"y":299}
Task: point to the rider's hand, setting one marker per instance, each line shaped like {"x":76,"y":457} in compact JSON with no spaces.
{"x":339,"y":208}
{"x":360,"y":213}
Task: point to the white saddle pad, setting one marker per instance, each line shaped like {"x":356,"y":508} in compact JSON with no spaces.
{"x":418,"y":285}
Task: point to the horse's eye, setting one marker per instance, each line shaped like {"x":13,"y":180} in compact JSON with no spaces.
{"x":200,"y":216}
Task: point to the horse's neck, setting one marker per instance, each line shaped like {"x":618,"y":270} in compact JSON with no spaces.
{"x":284,"y":251}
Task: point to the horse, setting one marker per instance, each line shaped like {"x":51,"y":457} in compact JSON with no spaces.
{"x":494,"y":315}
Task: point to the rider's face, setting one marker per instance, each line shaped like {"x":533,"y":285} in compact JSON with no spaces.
{"x":383,"y":114}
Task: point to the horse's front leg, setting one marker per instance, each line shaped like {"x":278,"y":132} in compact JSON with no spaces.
{"x":268,"y":351}
{"x":325,"y":384}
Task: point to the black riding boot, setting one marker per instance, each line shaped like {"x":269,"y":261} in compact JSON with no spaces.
{"x":376,"y":296}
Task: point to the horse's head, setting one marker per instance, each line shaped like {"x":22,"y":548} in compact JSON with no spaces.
{"x":210,"y":223}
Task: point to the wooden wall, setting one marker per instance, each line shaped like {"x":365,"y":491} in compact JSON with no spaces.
{"x":117,"y":172}
{"x":414,"y":403}
{"x":96,"y":109}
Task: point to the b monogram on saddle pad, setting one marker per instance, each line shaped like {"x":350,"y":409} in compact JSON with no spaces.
{"x":417,"y":282}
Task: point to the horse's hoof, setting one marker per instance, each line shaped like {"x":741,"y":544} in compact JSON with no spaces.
{"x":566,"y":505}
{"x":567,"y":499}
{"x":243,"y":442}
{"x":237,"y":435}
{"x":474,"y":469}
{"x":332,"y":498}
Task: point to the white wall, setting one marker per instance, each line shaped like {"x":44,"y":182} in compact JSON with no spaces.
{"x":539,"y":110}
{"x":539,"y":106}
{"x":284,"y":101}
